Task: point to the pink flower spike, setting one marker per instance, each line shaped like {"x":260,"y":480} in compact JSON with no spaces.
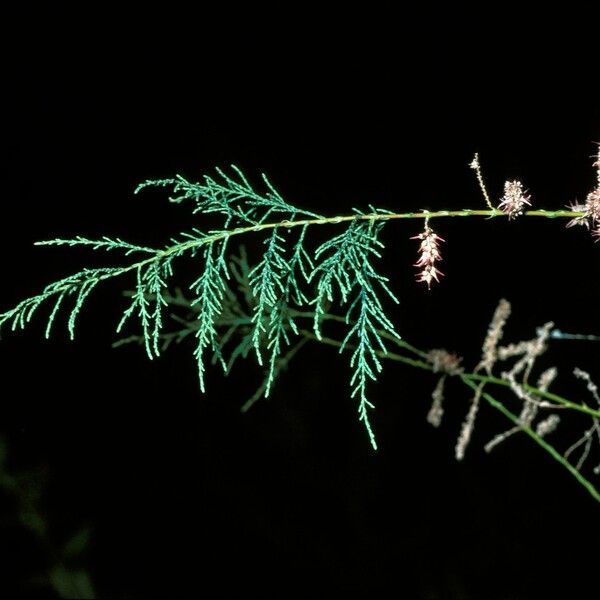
{"x":428,"y":274}
{"x":591,"y":211}
{"x":429,"y":253}
{"x":514,"y":200}
{"x":592,"y":205}
{"x":581,"y":220}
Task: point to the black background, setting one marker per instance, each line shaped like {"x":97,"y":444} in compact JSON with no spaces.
{"x":183,"y":493}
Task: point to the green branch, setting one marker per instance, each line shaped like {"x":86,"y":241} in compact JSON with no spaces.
{"x":258,"y":304}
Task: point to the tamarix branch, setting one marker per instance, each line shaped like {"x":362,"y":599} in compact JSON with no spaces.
{"x":235,"y":309}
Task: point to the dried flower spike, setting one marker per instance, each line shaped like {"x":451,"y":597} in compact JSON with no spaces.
{"x":468,"y":425}
{"x":444,"y":361}
{"x":514,"y":200}
{"x":477,"y":168}
{"x":436,"y":412}
{"x":429,"y":253}
{"x":493,"y":336}
{"x":548,"y":425}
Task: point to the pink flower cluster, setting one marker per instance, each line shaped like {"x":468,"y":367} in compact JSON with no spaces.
{"x":591,"y":209}
{"x":429,"y":253}
{"x":514,"y":200}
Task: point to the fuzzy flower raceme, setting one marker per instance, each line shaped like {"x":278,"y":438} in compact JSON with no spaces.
{"x":514,"y":200}
{"x":591,"y":212}
{"x":429,"y":253}
{"x":591,"y":209}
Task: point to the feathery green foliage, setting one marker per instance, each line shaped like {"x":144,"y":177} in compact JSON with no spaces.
{"x":346,"y":265}
{"x":274,"y":283}
{"x":273,"y":291}
{"x":234,"y":198}
{"x":209,"y":291}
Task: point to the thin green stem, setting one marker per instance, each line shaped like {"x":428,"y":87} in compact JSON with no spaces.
{"x":583,"y":408}
{"x":490,"y":379}
{"x":391,"y":355}
{"x":183,"y":247}
{"x":383,"y":334}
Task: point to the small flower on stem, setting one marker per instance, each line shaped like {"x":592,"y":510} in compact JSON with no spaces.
{"x":514,"y":200}
{"x":429,"y":253}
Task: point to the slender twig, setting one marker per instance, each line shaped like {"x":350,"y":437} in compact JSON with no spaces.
{"x":183,"y":247}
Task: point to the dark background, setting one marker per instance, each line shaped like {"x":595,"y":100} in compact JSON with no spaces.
{"x":182,"y":492}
